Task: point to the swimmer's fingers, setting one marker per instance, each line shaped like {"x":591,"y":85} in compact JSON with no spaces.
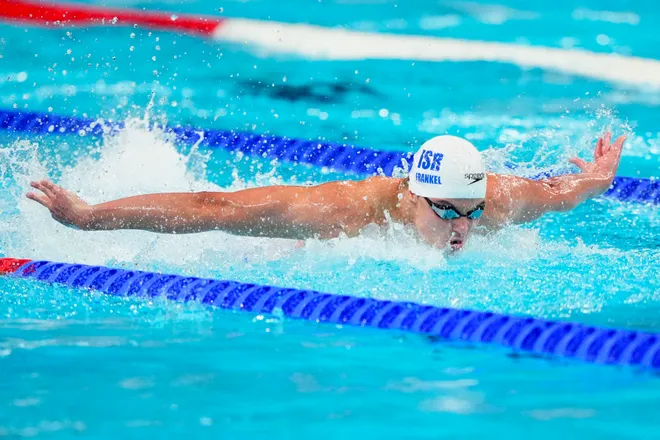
{"x":599,"y":148}
{"x":616,"y":150}
{"x":580,"y":163}
{"x":51,"y":186}
{"x":607,"y":143}
{"x":617,"y":147}
{"x":52,"y":190}
{"x":44,"y":187}
{"x":39,"y":198}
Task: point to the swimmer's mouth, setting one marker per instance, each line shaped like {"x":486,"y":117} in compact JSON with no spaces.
{"x":456,"y":244}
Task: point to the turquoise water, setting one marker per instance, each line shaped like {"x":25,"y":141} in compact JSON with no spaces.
{"x":80,"y":364}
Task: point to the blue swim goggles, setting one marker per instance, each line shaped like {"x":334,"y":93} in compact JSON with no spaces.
{"x":447,"y":211}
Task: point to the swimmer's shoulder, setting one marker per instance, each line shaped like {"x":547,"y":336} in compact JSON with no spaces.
{"x":506,"y":187}
{"x":370,"y":193}
{"x":497,"y":205}
{"x":382,"y":189}
{"x":502,"y":191}
{"x":371,"y":186}
{"x":375,"y":193}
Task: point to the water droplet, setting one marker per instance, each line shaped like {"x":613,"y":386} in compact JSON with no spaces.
{"x":602,"y":39}
{"x":278,"y":313}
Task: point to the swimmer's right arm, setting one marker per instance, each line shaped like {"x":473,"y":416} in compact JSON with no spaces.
{"x":297,"y":212}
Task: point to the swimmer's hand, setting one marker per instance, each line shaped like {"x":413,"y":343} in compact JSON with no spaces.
{"x":606,"y":159}
{"x":521,"y":200}
{"x":64,"y":206}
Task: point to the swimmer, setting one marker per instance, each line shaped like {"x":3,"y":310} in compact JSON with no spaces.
{"x":446,"y":194}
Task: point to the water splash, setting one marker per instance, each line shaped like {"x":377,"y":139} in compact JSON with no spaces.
{"x":132,"y":161}
{"x":515,"y":270}
{"x":528,"y":146}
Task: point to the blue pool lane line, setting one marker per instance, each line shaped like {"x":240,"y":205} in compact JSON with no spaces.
{"x":340,"y":157}
{"x":522,"y":334}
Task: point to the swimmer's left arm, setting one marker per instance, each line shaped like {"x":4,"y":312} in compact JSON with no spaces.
{"x":530,"y":199}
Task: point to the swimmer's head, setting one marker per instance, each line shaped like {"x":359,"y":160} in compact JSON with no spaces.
{"x":448,"y":167}
{"x":448,"y":183}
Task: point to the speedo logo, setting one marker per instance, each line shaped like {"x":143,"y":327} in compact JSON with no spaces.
{"x":475,"y":177}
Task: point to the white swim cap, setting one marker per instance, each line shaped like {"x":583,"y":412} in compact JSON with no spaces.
{"x":448,"y":167}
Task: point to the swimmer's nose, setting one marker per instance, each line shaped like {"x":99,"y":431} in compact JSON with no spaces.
{"x":460,"y":226}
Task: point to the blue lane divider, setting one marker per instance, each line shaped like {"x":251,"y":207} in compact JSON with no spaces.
{"x":340,"y":157}
{"x":523,"y":334}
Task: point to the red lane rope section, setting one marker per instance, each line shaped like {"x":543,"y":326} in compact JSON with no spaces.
{"x":11,"y":265}
{"x":55,"y":14}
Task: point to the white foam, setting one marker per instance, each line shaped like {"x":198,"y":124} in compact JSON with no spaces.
{"x":317,"y":42}
{"x":394,"y":243}
{"x":134,"y":161}
{"x":553,"y":139}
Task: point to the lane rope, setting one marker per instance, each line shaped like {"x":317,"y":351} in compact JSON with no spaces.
{"x":330,"y":155}
{"x":522,"y":334}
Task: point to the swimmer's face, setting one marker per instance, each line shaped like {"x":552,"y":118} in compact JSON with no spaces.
{"x":443,"y":222}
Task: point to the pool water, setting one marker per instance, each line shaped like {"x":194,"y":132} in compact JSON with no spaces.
{"x":83,"y":364}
